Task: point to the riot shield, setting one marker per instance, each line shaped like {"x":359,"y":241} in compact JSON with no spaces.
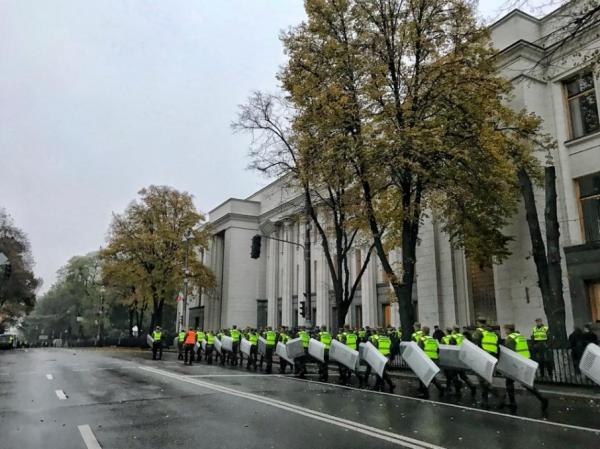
{"x":375,"y":359}
{"x":281,"y":351}
{"x":262,"y":346}
{"x":294,"y":348}
{"x":516,"y":367}
{"x":450,"y":357}
{"x":226,"y":343}
{"x":218,"y":345}
{"x":149,"y":340}
{"x":341,"y":353}
{"x":478,"y":360}
{"x":204,"y":345}
{"x":424,"y":368}
{"x":245,"y":347}
{"x":590,"y":362}
{"x":197,"y":345}
{"x":316,"y":349}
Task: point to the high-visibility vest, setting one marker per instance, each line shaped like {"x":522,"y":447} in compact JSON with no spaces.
{"x":271,"y":337}
{"x":235,"y":334}
{"x":362,"y":334}
{"x":305,"y":337}
{"x":200,"y":335}
{"x":430,"y":347}
{"x":489,"y":341}
{"x":156,"y":335}
{"x":521,"y":346}
{"x":325,"y":338}
{"x":384,"y":343}
{"x":416,"y":335}
{"x":458,"y":337}
{"x":447,"y":339}
{"x":539,"y":333}
{"x":210,"y":338}
{"x":398,"y":333}
{"x":252,"y":338}
{"x":190,"y":338}
{"x":181,"y":336}
{"x":351,"y":340}
{"x":283,"y":337}
{"x":340,"y":336}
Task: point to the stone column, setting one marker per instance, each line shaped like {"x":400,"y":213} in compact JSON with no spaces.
{"x":287,"y":307}
{"x":369,"y":292}
{"x":322,"y":289}
{"x":272,"y":279}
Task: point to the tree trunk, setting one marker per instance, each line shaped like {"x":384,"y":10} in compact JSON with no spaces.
{"x":342,"y":311}
{"x":555,"y":311}
{"x":131,"y":313}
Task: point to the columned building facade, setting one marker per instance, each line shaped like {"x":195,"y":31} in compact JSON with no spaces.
{"x":449,"y":289}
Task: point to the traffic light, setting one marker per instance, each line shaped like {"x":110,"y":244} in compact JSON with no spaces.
{"x":255,"y":250}
{"x":303,"y":309}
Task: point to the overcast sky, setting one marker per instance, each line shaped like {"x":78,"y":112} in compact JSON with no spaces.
{"x":99,"y":98}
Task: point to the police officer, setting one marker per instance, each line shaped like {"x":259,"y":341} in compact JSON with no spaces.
{"x":455,"y":338}
{"x":417,"y":334}
{"x":303,"y":335}
{"x":252,"y":337}
{"x":271,"y":337}
{"x":430,"y":346}
{"x":189,"y":343}
{"x":383,"y":343}
{"x":210,"y":346}
{"x":236,"y":337}
{"x":200,"y":335}
{"x":284,"y":338}
{"x":325,"y":338}
{"x":180,"y":340}
{"x":539,"y":348}
{"x":486,"y":339}
{"x":350,"y":339}
{"x":518,"y":343}
{"x":157,"y":345}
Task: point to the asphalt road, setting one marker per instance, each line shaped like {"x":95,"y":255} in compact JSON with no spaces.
{"x":120,"y":399}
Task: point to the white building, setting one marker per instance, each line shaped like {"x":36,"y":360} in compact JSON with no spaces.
{"x":449,"y":289}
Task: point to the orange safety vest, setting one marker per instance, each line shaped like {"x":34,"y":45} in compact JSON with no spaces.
{"x":190,"y":338}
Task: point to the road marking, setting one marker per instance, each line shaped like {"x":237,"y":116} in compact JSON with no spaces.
{"x":88,"y":437}
{"x":61,"y":395}
{"x":462,"y":407}
{"x":230,"y":375}
{"x":374,"y":432}
{"x":49,"y":377}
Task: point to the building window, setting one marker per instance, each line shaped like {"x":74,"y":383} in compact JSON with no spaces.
{"x":583,"y":107}
{"x":589,"y":197}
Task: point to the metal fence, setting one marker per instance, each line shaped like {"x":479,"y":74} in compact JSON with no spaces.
{"x":562,"y":370}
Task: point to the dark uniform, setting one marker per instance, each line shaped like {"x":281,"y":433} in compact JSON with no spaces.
{"x":487,"y":340}
{"x":430,"y":346}
{"x":539,"y":349}
{"x":325,"y":338}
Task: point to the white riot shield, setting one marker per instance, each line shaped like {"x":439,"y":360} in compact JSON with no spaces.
{"x":245,"y":347}
{"x":516,"y":367}
{"x":281,"y":351}
{"x":217,"y":344}
{"x":590,"y":362}
{"x":450,"y":357}
{"x":294,"y":348}
{"x":204,"y":345}
{"x":478,"y":360}
{"x":149,"y":340}
{"x":197,"y":345}
{"x":374,"y":358}
{"x":341,"y":353}
{"x":316,"y":349}
{"x":226,"y":343}
{"x":419,"y":362}
{"x":262,"y":346}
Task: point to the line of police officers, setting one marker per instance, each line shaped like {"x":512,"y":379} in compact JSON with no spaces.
{"x":386,"y":340}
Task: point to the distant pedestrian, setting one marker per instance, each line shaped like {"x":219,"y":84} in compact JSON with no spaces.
{"x":189,"y":344}
{"x":577,"y":346}
{"x":438,"y":334}
{"x":157,"y":347}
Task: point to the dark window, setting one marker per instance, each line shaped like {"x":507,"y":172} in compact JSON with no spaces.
{"x":483,"y":291}
{"x":583,"y":108}
{"x":261,"y":313}
{"x":589,"y":195}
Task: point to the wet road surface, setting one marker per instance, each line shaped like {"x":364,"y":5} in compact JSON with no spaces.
{"x":117,"y":399}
